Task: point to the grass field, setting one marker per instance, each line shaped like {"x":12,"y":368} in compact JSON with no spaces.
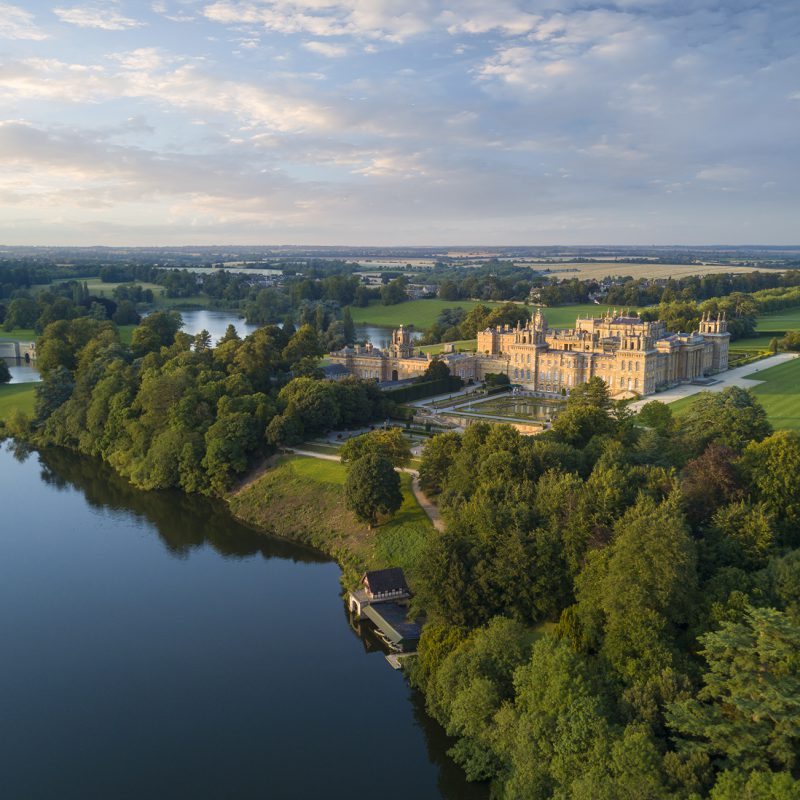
{"x":419,"y":313}
{"x":779,"y":321}
{"x":423,"y":313}
{"x":19,"y":334}
{"x":16,"y":396}
{"x":779,"y":394}
{"x":565,"y":316}
{"x":597,"y":271}
{"x":463,"y":344}
{"x":302,"y":498}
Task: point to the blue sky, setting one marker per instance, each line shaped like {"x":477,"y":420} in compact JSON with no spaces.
{"x":399,"y":122}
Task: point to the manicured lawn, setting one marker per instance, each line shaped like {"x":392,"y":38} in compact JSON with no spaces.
{"x":423,"y":313}
{"x":463,"y":344}
{"x":19,"y":334}
{"x":565,"y":316}
{"x":779,"y":394}
{"x":780,"y":321}
{"x":419,"y":313}
{"x":16,"y":396}
{"x":754,"y":344}
{"x":318,"y":470}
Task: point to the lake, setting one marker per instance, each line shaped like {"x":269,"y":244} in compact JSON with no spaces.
{"x":153,"y":647}
{"x":215,"y":322}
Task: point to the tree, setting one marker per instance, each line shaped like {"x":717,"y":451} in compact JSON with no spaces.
{"x":594,"y":393}
{"x":156,"y":331}
{"x":739,"y":785}
{"x":438,"y":457}
{"x":372,"y":488}
{"x":395,"y":291}
{"x":349,"y":327}
{"x":635,"y":595}
{"x":791,"y":340}
{"x":436,"y":370}
{"x":732,"y":417}
{"x":656,"y":415}
{"x":126,"y":314}
{"x":747,"y":714}
{"x":710,"y":481}
{"x":5,"y":372}
{"x":389,"y":443}
{"x":304,"y":344}
{"x":772,"y":467}
{"x":21,"y":313}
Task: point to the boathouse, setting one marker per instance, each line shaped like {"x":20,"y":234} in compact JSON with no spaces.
{"x":383,"y":599}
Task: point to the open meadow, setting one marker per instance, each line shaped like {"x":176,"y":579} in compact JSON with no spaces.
{"x":419,"y":313}
{"x":779,"y":322}
{"x":278,"y":502}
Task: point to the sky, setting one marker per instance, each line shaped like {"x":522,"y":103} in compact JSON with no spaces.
{"x":399,"y":122}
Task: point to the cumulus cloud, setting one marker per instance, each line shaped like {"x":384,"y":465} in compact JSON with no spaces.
{"x":393,"y":20}
{"x":152,"y":75}
{"x":16,"y":23}
{"x":105,"y":17}
{"x":326,"y":49}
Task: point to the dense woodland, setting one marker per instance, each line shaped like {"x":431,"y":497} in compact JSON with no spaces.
{"x":613,"y":609}
{"x":170,"y":410}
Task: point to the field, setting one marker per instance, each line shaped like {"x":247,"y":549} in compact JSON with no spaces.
{"x":601,"y":270}
{"x":16,"y":396}
{"x":302,"y":498}
{"x":565,"y":316}
{"x":19,"y":334}
{"x":463,"y":344}
{"x":779,"y":321}
{"x":419,"y":313}
{"x":779,"y":394}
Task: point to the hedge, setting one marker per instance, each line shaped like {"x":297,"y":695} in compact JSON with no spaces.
{"x":416,"y":391}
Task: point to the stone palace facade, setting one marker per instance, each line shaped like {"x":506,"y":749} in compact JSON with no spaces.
{"x":632,"y":356}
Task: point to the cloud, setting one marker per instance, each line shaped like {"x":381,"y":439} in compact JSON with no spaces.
{"x":105,"y":17}
{"x":16,"y":23}
{"x":723,"y":173}
{"x":392,"y":20}
{"x":149,"y":74}
{"x":326,"y":49}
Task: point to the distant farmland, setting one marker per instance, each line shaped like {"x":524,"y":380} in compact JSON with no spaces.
{"x":601,"y":270}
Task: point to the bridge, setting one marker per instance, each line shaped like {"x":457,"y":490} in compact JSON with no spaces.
{"x":17,"y":351}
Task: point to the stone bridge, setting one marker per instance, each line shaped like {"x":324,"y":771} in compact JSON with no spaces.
{"x":17,"y":351}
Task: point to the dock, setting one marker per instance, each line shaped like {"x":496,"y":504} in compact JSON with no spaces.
{"x":396,"y":660}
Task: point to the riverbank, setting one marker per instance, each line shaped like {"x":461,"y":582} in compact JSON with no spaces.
{"x":302,"y":499}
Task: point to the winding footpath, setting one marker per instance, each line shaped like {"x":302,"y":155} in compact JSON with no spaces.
{"x":425,"y":504}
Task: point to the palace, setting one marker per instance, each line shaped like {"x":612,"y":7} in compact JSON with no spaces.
{"x":632,"y":356}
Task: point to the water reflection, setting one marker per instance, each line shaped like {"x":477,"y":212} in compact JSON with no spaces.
{"x":148,"y":654}
{"x":22,"y":372}
{"x":183,"y":522}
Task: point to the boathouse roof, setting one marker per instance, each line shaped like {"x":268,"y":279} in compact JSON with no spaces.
{"x":386,"y":580}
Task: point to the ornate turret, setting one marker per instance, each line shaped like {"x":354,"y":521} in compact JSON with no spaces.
{"x":708,"y":325}
{"x":402,"y":345}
